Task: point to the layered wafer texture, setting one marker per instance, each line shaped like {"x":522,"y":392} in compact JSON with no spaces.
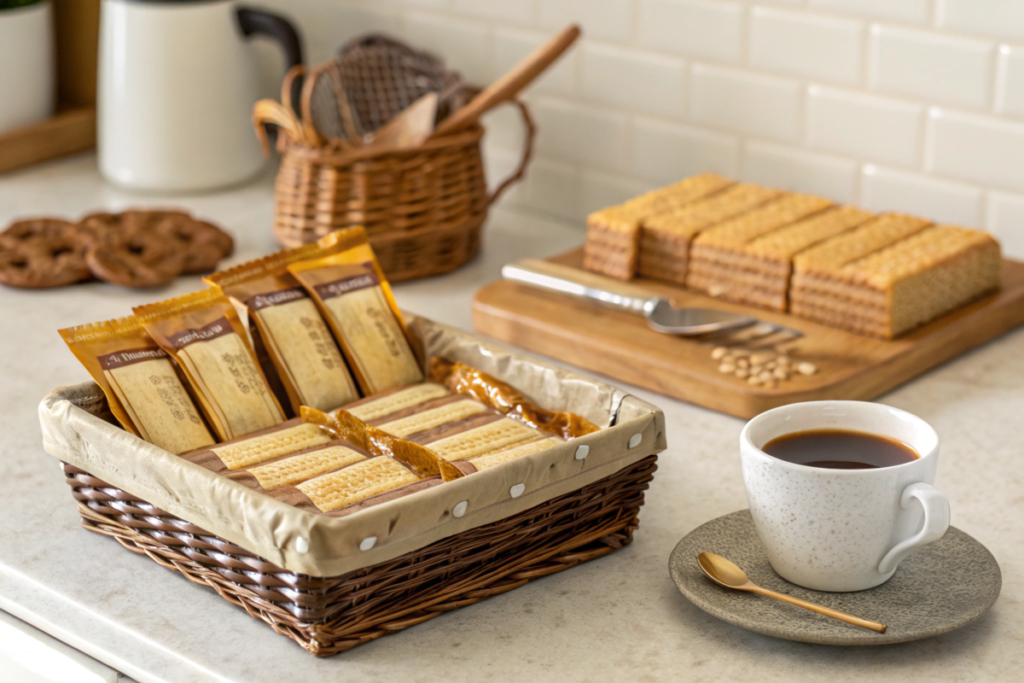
{"x":717,"y":260}
{"x":878,"y":275}
{"x":665,"y":237}
{"x":613,"y":233}
{"x":895,"y":289}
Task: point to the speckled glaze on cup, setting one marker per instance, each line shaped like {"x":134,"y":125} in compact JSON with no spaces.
{"x":842,"y":530}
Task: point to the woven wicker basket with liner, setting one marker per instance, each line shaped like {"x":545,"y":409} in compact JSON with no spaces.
{"x":320,"y":580}
{"x":423,"y":206}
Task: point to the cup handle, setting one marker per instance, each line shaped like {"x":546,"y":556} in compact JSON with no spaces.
{"x":936,"y":521}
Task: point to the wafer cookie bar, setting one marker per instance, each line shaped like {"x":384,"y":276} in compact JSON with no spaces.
{"x":665,"y":237}
{"x":493,"y":436}
{"x":714,"y":256}
{"x":270,"y":444}
{"x":356,"y":482}
{"x":381,"y":405}
{"x":905,"y":284}
{"x":612,"y":246}
{"x":299,"y":467}
{"x":483,"y":462}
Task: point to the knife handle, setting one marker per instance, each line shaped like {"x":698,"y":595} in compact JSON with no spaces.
{"x":581,"y":284}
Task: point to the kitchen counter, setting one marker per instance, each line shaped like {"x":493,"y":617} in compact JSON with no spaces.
{"x":616,"y":618}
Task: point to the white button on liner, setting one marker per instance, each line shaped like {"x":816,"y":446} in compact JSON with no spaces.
{"x":635,"y":440}
{"x":582,"y":452}
{"x":517,"y":490}
{"x":301,"y":545}
{"x":460,"y":509}
{"x":368,"y":543}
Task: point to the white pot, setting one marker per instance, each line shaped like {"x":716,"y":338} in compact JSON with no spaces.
{"x":177,"y":84}
{"x":26,"y":66}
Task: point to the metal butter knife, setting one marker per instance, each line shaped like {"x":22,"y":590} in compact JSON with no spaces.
{"x":661,"y":315}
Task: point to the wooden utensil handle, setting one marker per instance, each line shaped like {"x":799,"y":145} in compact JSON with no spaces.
{"x":511,"y":83}
{"x":835,"y":614}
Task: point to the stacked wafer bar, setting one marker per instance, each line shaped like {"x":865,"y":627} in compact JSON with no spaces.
{"x":303,"y":465}
{"x":613,"y":233}
{"x":866,"y":282}
{"x":456,"y":427}
{"x":665,"y":237}
{"x":717,"y":265}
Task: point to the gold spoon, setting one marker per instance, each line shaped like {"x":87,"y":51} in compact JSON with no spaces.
{"x":728,"y":575}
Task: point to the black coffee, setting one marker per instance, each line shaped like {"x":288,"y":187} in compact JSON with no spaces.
{"x":840,"y":449}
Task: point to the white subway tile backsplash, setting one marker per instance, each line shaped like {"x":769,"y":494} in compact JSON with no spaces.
{"x":701,"y":28}
{"x":505,"y":127}
{"x":667,"y":152}
{"x":806,"y":44}
{"x":556,"y":188}
{"x":465,"y":46}
{"x":931,"y":66}
{"x":598,"y":190}
{"x":580,"y":133}
{"x":885,"y":189}
{"x":508,"y":11}
{"x":864,"y":126}
{"x":511,"y":46}
{"x":916,"y":11}
{"x":745,"y":102}
{"x":798,"y":94}
{"x":606,"y":19}
{"x":996,"y":18}
{"x":633,"y":80}
{"x":1010,"y":80}
{"x":791,"y":168}
{"x":1005,"y":220}
{"x":978,"y":148}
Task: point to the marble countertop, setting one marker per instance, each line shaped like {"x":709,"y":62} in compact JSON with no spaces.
{"x":617,"y":618}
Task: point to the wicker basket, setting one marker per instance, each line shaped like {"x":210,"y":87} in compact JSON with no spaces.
{"x":423,"y":208}
{"x":572,"y":505}
{"x":330,"y":615}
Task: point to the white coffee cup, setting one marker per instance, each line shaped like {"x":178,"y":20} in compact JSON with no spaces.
{"x":842,"y":529}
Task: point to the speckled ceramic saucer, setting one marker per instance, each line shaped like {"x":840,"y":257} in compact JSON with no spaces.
{"x":938,"y":588}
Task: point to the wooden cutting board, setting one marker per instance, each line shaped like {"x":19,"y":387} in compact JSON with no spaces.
{"x":619,"y":345}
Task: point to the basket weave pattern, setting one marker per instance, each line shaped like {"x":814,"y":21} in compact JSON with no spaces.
{"x":330,"y":615}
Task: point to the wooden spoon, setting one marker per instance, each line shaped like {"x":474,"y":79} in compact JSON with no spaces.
{"x":511,"y":83}
{"x":728,"y":575}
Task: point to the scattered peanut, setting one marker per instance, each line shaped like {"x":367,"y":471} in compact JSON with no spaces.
{"x":766,"y":376}
{"x":727,"y":367}
{"x":780,"y":373}
{"x":719,"y":352}
{"x":742,"y":363}
{"x":761,"y":358}
{"x":742,"y":373}
{"x":806,"y":368}
{"x":756,"y":369}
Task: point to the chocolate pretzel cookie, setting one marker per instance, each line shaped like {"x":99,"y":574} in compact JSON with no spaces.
{"x":43,"y":252}
{"x":205,"y":243}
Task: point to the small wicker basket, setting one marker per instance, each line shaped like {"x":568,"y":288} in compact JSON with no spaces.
{"x":423,"y":208}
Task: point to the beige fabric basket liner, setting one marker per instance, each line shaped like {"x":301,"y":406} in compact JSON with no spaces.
{"x":272,"y":529}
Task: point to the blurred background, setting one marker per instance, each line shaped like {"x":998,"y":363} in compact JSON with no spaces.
{"x":912,"y":105}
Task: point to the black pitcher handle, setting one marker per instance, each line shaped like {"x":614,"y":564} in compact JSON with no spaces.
{"x":259,"y":22}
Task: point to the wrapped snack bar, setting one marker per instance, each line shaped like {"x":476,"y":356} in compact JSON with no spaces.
{"x":354,"y":296}
{"x":301,"y":347}
{"x":203,"y":333}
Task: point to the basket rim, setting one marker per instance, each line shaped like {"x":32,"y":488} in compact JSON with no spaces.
{"x":346,"y":157}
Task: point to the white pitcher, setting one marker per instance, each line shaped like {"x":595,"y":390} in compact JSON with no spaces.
{"x":177,"y":83}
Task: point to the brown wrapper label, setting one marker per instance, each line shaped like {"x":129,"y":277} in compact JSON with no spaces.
{"x":215,"y":329}
{"x":346,"y":285}
{"x":119,"y":359}
{"x":267,"y":299}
